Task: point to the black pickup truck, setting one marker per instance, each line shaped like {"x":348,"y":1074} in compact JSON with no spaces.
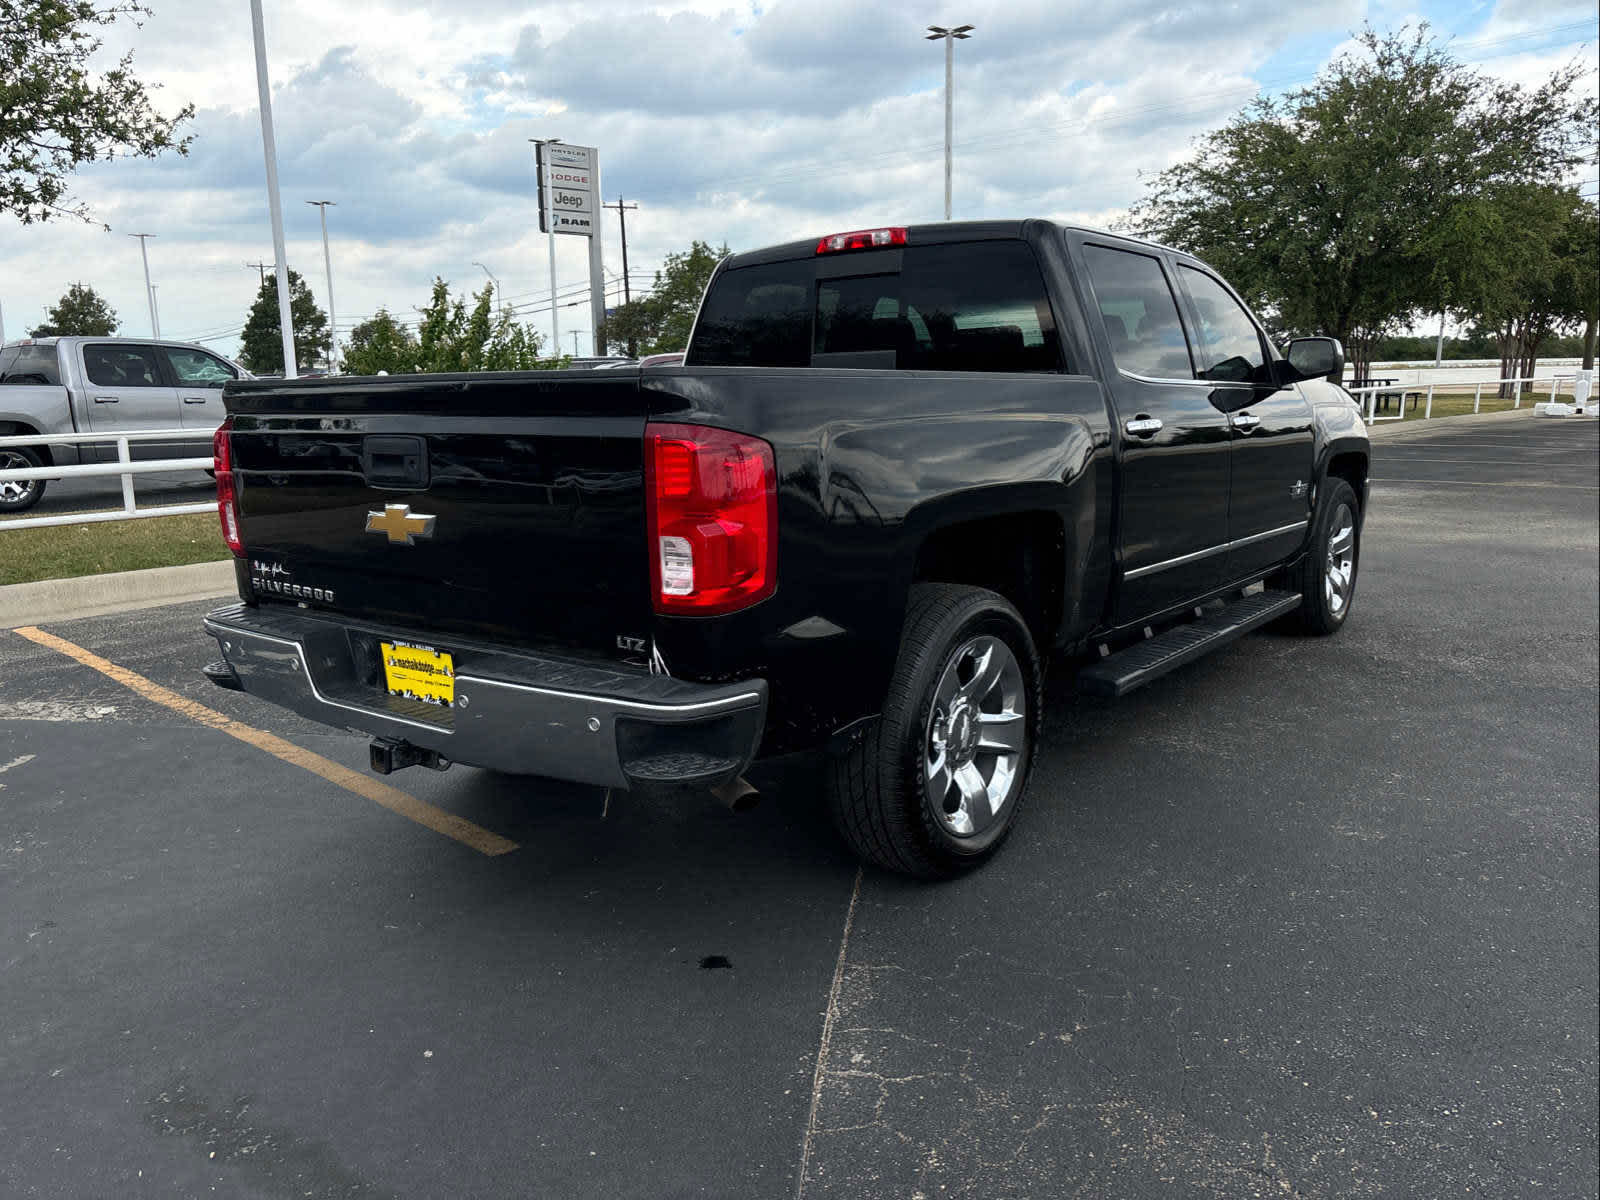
{"x":897,"y":471}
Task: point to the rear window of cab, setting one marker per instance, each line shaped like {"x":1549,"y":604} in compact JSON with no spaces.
{"x":973,"y":306}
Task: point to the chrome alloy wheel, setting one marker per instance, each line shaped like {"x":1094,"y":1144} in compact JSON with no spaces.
{"x":1340,"y":577}
{"x":977,"y":736}
{"x":14,"y":491}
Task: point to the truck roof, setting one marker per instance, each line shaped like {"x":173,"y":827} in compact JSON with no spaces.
{"x":55,"y":339}
{"x":934,"y":232}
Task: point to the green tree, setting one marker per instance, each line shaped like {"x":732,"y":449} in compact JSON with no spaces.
{"x":262,"y":350}
{"x":661,"y":321}
{"x":381,"y":344}
{"x":56,"y":113}
{"x":450,"y":337}
{"x":1525,"y":264}
{"x":1328,"y":206}
{"x":82,"y":311}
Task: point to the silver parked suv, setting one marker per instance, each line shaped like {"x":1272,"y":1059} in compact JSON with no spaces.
{"x":105,"y":385}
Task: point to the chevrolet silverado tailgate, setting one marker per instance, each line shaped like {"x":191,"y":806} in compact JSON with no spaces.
{"x":507,"y":507}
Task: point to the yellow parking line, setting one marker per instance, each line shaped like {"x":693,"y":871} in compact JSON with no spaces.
{"x":423,"y":813}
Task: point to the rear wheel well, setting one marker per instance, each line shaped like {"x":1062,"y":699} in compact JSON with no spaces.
{"x":1352,"y":468}
{"x":1020,"y":555}
{"x":18,"y":429}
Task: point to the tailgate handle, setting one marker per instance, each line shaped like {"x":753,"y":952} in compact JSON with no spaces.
{"x":397,"y":462}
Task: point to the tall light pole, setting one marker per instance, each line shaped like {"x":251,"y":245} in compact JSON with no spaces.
{"x":494,"y":279}
{"x":149,"y":292}
{"x":155,"y":307}
{"x":269,"y":148}
{"x":550,"y":227}
{"x":948,"y":36}
{"x":327,"y":265}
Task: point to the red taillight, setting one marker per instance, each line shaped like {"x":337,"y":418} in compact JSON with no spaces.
{"x":227,"y":499}
{"x":861,"y":239}
{"x":712,"y":498}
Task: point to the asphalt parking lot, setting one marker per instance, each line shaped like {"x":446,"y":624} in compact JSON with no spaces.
{"x":1309,"y":918}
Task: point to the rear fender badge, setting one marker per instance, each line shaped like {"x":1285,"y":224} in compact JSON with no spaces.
{"x":402,"y":526}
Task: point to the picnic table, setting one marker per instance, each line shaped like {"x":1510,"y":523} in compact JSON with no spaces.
{"x":1393,"y":392}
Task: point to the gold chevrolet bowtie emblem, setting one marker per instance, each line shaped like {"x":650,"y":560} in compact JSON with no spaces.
{"x":402,"y":525}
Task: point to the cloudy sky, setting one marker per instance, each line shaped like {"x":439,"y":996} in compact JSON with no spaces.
{"x":744,"y":123}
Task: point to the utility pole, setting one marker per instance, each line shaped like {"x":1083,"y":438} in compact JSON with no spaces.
{"x":259,"y":268}
{"x":1438,"y":350}
{"x":155,"y":307}
{"x":550,"y":229}
{"x":269,"y":149}
{"x":574,"y":333}
{"x":622,"y":211}
{"x":627,"y":296}
{"x":149,"y":292}
{"x":327,"y":265}
{"x":948,"y":36}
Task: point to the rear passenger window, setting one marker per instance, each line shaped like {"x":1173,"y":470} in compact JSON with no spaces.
{"x":1139,"y":312}
{"x":30,"y":365}
{"x":121,"y":366}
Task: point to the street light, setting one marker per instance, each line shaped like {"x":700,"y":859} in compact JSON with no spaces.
{"x":327,"y":265}
{"x":550,"y":228}
{"x":948,"y":36}
{"x":149,"y":292}
{"x":498,"y":291}
{"x":269,"y":149}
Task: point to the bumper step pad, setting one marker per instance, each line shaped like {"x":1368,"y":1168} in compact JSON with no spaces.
{"x":1122,"y":672}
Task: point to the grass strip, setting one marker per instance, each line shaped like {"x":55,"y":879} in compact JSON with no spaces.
{"x":67,"y":551}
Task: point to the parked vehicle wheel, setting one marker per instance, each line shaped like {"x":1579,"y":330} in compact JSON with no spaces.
{"x":1326,"y":577}
{"x":933,"y":787}
{"x":20,"y":496}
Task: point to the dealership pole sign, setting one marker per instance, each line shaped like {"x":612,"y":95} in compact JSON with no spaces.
{"x":569,"y":202}
{"x":567,"y":192}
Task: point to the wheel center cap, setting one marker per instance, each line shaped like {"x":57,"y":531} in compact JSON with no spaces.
{"x":961,"y":733}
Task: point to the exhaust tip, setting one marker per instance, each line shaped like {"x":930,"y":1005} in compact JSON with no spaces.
{"x":737,"y":795}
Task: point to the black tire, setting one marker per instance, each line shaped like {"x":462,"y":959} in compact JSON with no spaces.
{"x":20,"y":497}
{"x":878,"y":786}
{"x":1322,"y":610}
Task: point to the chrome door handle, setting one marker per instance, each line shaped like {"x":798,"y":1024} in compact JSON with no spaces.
{"x":105,"y":399}
{"x":195,"y":399}
{"x":1246,"y":422}
{"x":1143,"y":426}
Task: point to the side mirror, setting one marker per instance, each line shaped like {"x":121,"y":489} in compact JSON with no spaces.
{"x":1316,"y":358}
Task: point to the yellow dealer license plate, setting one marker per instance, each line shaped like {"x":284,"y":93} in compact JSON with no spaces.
{"x":419,"y":673}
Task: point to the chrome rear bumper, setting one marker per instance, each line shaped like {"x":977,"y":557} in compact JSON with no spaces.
{"x":589,"y":722}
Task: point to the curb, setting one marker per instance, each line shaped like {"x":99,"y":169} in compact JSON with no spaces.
{"x":1417,"y":427}
{"x":96,"y":595}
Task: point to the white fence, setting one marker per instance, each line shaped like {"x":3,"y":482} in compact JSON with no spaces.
{"x":124,"y":466}
{"x":1369,"y":395}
